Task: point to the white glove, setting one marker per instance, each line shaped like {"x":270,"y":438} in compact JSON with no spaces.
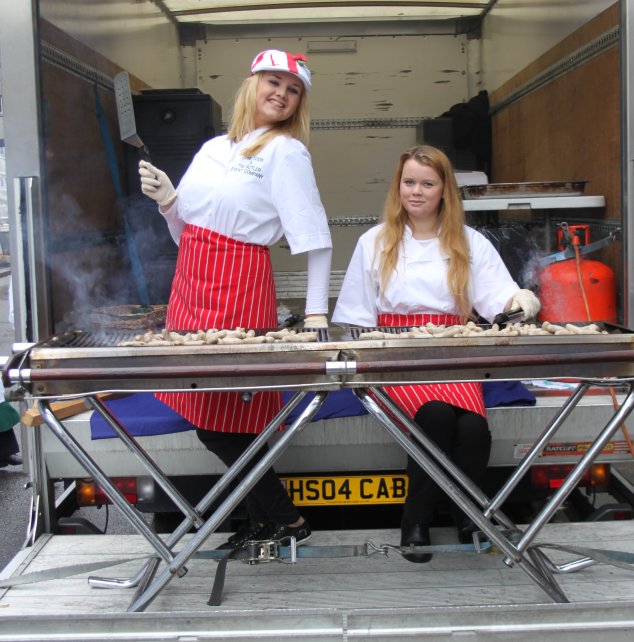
{"x":156,"y":184}
{"x":526,"y":300}
{"x":316,"y":321}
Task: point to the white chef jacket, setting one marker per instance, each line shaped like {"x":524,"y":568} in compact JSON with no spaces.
{"x":419,"y":284}
{"x":253,"y":200}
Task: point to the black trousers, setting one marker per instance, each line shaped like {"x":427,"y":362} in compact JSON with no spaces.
{"x":268,"y":500}
{"x":464,"y":436}
{"x":8,"y":444}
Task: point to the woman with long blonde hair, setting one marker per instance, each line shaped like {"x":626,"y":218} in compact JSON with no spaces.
{"x":241,"y":193}
{"x":421,"y":265}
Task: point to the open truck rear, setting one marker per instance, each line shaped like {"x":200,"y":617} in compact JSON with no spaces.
{"x":557,"y":88}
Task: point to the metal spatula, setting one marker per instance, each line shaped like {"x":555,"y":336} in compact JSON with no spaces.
{"x":125,"y":110}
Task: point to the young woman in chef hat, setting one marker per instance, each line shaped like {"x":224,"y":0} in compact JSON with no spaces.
{"x":423,"y":264}
{"x":242,"y":192}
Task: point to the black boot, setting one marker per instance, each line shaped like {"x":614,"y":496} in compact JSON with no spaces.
{"x":416,"y":535}
{"x":466,"y":529}
{"x":464,"y":525}
{"x":11,"y":460}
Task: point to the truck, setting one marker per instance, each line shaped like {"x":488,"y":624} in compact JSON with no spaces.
{"x":544,"y":94}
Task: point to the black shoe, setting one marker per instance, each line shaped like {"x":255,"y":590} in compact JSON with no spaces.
{"x":283,"y":532}
{"x":466,"y":531}
{"x":246,"y":533}
{"x":416,"y":535}
{"x":12,"y":460}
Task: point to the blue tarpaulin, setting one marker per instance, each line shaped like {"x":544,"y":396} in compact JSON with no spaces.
{"x":144,"y":415}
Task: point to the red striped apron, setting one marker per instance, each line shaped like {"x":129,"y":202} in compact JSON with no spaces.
{"x":410,"y":398}
{"x":222,"y":283}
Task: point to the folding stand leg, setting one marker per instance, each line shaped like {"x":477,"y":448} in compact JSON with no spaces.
{"x":439,"y":456}
{"x":149,"y":568}
{"x":147,"y":462}
{"x":575,"y":475}
{"x":112,"y":492}
{"x":466,"y":504}
{"x":229,"y":503}
{"x":541,"y":561}
{"x":536,"y":449}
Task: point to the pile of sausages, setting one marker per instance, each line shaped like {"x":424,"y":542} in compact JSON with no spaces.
{"x":218,"y":337}
{"x":428,"y":331}
{"x":470,"y":329}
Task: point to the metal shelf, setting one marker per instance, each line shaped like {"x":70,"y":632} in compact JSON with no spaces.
{"x":532,"y":203}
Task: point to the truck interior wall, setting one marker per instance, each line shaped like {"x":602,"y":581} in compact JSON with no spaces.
{"x":365,"y":106}
{"x":88,"y":260}
{"x":568,"y":127}
{"x":136,"y":36}
{"x":517,"y":32}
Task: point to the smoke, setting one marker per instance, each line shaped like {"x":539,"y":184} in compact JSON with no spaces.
{"x":519,"y":250}
{"x":92,"y":268}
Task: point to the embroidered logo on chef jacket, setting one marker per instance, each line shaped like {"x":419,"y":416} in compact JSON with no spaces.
{"x":252,"y":166}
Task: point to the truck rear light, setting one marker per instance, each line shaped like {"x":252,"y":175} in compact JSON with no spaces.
{"x":553,"y":476}
{"x":89,"y":493}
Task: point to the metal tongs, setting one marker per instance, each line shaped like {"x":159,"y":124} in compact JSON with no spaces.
{"x":504,"y":318}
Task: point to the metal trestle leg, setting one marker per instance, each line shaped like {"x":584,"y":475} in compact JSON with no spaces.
{"x":234,"y":498}
{"x":145,"y":573}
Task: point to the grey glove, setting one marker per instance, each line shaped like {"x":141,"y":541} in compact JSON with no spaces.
{"x":526,"y":300}
{"x":156,"y":184}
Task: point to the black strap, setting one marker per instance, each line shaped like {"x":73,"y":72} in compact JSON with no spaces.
{"x":215,"y":599}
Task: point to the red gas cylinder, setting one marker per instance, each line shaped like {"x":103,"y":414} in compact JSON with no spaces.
{"x":561,"y":290}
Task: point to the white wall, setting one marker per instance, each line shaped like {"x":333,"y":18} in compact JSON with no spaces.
{"x":516,"y":32}
{"x":134,"y":35}
{"x":409,"y":77}
{"x":386,"y":77}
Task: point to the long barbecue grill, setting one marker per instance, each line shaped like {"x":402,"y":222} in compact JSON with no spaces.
{"x":79,"y":363}
{"x":82,"y":364}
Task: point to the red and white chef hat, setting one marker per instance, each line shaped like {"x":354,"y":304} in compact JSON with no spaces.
{"x":274,"y":60}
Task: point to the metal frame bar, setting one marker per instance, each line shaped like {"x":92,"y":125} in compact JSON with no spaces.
{"x":528,"y":556}
{"x":207,"y":501}
{"x":537,"y":448}
{"x":111,"y":491}
{"x":434,"y":470}
{"x":575,"y":475}
{"x":224,"y":510}
{"x":192,"y":515}
{"x":144,"y":458}
{"x":515,"y":544}
{"x":627,"y":155}
{"x":441,"y":458}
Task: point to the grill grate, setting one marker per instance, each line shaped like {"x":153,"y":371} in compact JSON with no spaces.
{"x":110,"y":338}
{"x":357,"y":332}
{"x":81,"y":339}
{"x":611,"y":328}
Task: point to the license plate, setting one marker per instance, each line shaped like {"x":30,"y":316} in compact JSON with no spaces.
{"x":346,"y":490}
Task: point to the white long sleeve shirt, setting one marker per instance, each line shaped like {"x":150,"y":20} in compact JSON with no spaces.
{"x":419,"y":284}
{"x":253,"y":200}
{"x":258,"y":200}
